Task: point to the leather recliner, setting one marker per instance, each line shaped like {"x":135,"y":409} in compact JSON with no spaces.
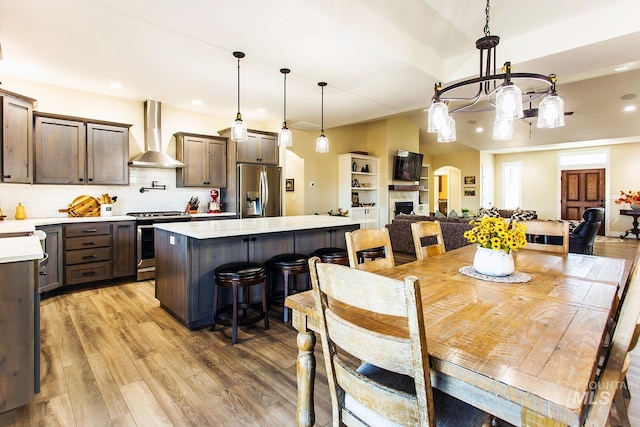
{"x":582,"y":237}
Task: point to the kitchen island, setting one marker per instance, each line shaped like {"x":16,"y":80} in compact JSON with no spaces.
{"x":187,"y":253}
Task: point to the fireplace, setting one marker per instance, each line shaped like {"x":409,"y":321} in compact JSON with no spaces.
{"x":404,"y":207}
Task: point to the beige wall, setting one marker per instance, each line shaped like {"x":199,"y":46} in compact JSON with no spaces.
{"x":541,"y":184}
{"x":469,"y":164}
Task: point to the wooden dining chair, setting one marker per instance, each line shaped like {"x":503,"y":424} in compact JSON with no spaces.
{"x":611,"y":378}
{"x":428,"y":232}
{"x":363,"y":239}
{"x":379,"y":375}
{"x":549,"y":236}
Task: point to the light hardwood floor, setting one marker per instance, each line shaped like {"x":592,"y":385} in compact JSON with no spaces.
{"x":112,"y":356}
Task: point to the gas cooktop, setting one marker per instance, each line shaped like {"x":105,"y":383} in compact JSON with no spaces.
{"x":160,"y":214}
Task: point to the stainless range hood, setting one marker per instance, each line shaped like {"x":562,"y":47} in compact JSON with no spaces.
{"x":153,"y":157}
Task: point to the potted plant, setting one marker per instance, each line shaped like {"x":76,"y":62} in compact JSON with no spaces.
{"x":631,"y":197}
{"x":496,"y":239}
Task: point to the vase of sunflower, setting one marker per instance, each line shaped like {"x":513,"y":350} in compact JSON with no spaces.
{"x":496,"y":239}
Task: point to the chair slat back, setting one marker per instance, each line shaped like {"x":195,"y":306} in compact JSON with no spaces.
{"x":365,"y":238}
{"x":621,"y":343}
{"x":423,"y":229}
{"x":343,"y":295}
{"x":625,"y":286}
{"x":542,"y":229}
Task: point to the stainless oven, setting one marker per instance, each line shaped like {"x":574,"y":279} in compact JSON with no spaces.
{"x":145,"y":236}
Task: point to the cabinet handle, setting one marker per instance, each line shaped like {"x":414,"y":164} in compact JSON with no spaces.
{"x":90,"y":179}
{"x":91,"y":230}
{"x":253,"y":239}
{"x":89,"y":256}
{"x":7,"y":176}
{"x":43,"y":273}
{"x":89,"y":243}
{"x":80,"y":179}
{"x":246,"y":239}
{"x":88,"y":273}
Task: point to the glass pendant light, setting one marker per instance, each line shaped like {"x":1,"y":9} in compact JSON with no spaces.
{"x":509,"y":102}
{"x":448,"y":132}
{"x":551,"y":112}
{"x":437,"y":116}
{"x":322,"y":142}
{"x":238,"y":129}
{"x":285,"y":139}
{"x":502,"y":129}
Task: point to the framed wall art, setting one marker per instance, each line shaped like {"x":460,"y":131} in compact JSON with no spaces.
{"x":288,"y":184}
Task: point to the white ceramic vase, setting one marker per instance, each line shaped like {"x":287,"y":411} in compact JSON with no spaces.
{"x":634,"y":206}
{"x":493,"y":263}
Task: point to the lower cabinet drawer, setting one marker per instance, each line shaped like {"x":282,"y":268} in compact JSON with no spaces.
{"x":91,"y":272}
{"x":86,"y":242}
{"x":87,"y":255}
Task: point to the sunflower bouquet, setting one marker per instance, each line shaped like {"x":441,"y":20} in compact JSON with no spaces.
{"x":497,"y":234}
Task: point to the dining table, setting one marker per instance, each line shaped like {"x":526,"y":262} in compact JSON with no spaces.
{"x":524,"y":348}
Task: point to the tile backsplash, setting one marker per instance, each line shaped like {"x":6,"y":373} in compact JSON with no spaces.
{"x":44,"y":201}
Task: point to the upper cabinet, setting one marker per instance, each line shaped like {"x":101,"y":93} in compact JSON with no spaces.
{"x":205,"y":158}
{"x":72,"y":150}
{"x":260,"y":147}
{"x":16,"y":156}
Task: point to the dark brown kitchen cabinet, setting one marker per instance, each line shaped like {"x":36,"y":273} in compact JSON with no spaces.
{"x":16,"y":156}
{"x":17,"y":335}
{"x":51,"y":273}
{"x":260,"y":147}
{"x":123,"y":235}
{"x":87,"y":252}
{"x":205,"y":158}
{"x":72,"y":150}
{"x":98,"y":251}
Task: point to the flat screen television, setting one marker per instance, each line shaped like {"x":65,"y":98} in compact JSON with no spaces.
{"x":407,"y":166}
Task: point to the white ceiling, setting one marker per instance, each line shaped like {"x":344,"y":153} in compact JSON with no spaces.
{"x":380,"y":57}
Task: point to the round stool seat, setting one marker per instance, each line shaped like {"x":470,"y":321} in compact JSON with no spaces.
{"x":288,"y":261}
{"x":332,"y":255}
{"x":289,"y":265}
{"x":240,"y":276}
{"x":239,"y":271}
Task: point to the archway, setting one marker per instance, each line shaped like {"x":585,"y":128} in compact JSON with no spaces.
{"x":447,"y":195}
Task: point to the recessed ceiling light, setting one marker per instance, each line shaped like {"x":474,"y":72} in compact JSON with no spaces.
{"x":617,"y":70}
{"x":479,"y":129}
{"x":116,"y":85}
{"x":196,"y":102}
{"x":629,"y":108}
{"x":260,"y":110}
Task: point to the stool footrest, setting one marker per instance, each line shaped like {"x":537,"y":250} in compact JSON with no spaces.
{"x":253,"y":315}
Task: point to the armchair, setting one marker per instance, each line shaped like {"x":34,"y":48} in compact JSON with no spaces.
{"x":582,"y":237}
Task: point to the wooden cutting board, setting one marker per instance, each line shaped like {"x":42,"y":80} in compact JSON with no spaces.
{"x":83,"y":206}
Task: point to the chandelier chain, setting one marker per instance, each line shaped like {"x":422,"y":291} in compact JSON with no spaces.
{"x":487,"y":31}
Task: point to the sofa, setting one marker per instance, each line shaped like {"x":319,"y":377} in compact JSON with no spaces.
{"x":452,"y":232}
{"x":452,"y":228}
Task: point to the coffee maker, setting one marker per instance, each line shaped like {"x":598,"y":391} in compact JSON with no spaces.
{"x":214,"y":204}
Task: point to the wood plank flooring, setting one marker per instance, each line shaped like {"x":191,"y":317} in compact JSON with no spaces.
{"x":112,"y":356}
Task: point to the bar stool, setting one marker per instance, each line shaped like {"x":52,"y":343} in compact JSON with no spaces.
{"x":332,"y":255}
{"x":371,"y":254}
{"x":289,"y":265}
{"x":243,"y":275}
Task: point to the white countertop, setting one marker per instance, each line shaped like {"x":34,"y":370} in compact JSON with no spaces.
{"x":16,"y":227}
{"x":213,"y":215}
{"x":35,"y":222}
{"x":14,"y":249}
{"x":246,"y":226}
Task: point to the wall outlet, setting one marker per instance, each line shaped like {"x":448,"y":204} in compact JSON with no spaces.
{"x":172,"y":240}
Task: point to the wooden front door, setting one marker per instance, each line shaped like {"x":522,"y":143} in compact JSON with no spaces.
{"x":582,"y":189}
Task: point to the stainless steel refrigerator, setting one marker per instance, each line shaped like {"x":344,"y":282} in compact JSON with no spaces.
{"x":259,"y":190}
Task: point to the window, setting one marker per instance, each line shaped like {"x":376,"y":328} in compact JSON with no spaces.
{"x":512,"y":185}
